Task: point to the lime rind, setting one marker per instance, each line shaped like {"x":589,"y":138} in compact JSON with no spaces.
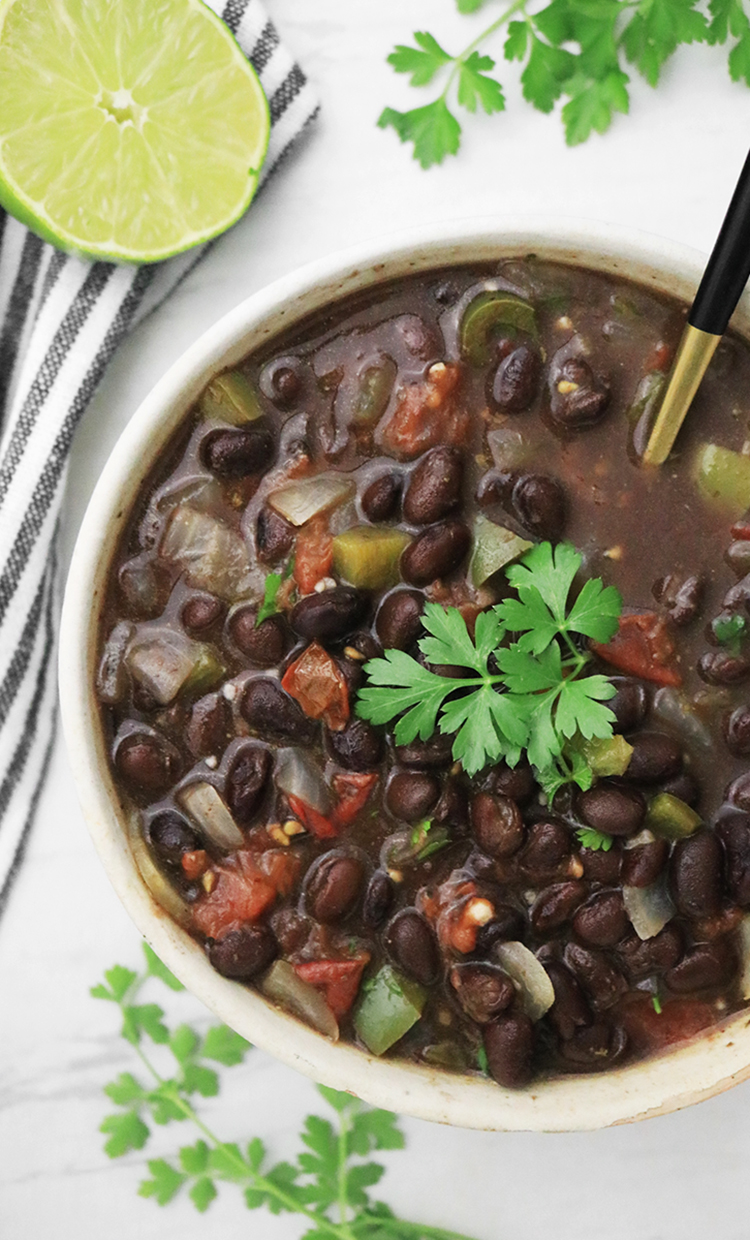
{"x":128,"y":131}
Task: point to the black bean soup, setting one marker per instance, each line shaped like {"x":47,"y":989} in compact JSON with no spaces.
{"x":398,"y":449}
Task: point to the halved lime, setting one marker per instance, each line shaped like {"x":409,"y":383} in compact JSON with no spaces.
{"x":129,"y":129}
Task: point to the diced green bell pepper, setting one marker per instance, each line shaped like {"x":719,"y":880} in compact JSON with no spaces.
{"x":389,"y":1006}
{"x":230,"y":398}
{"x":723,"y":476}
{"x":494,"y":547}
{"x":606,"y":756}
{"x":671,"y":818}
{"x":375,"y":387}
{"x":367,"y":556}
{"x":486,"y":316}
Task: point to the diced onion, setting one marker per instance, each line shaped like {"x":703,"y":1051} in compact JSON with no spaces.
{"x":162,"y":660}
{"x":675,"y":709}
{"x":159,"y":886}
{"x":649,"y":908}
{"x":210,"y":814}
{"x":643,"y":837}
{"x":282,"y":984}
{"x":530,"y":976}
{"x":300,"y":501}
{"x":112,"y":677}
{"x":213,"y":556}
{"x":508,"y":447}
{"x":298,"y":775}
{"x":743,"y":935}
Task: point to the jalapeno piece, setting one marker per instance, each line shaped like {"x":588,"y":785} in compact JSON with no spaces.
{"x":486,"y":316}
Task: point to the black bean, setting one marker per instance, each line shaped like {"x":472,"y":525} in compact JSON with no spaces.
{"x":600,"y":866}
{"x":599,"y":1046}
{"x":737,"y":596}
{"x":602,"y":921}
{"x":738,"y":792}
{"x":333,"y":887}
{"x":244,"y":953}
{"x":737,"y":556}
{"x":642,"y":866}
{"x":683,"y":786}
{"x":538,"y":502}
{"x":264,"y":644}
{"x":555,"y":905}
{"x":612,"y":810}
{"x":656,"y":757}
{"x":281,"y":381}
{"x":436,"y":552}
{"x":516,"y":782}
{"x":704,"y":966}
{"x":602,"y":980}
{"x":733,"y":828}
{"x":513,"y":386}
{"x":428,"y":755}
{"x":682,"y":599}
{"x":736,"y":729}
{"x":588,"y":400}
{"x":145,"y":584}
{"x":452,"y":810}
{"x":246,"y":781}
{"x":353,"y":673}
{"x":509,"y":1046}
{"x":630,"y":703}
{"x":411,"y":795}
{"x":238,"y":452}
{"x":272,"y":712}
{"x":381,"y":498}
{"x":274,"y":537}
{"x":570,"y":1011}
{"x":147,"y":761}
{"x":378,"y":901}
{"x":719,"y":667}
{"x":209,"y":725}
{"x":201,"y":612}
{"x":497,"y":824}
{"x":329,"y":615}
{"x":483,"y":990}
{"x":507,"y":924}
{"x":547,"y":847}
{"x":171,"y":838}
{"x":413,"y":946}
{"x":367,"y":645}
{"x":642,"y":957}
{"x":695,"y":875}
{"x":358,"y":746}
{"x":399,"y":620}
{"x":434,"y":488}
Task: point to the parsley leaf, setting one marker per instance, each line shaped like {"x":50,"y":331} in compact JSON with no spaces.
{"x":595,"y":840}
{"x":421,"y":62}
{"x":729,"y":631}
{"x":592,"y":104}
{"x":475,"y":87}
{"x":268,"y":606}
{"x":406,"y":687}
{"x":433,"y":129}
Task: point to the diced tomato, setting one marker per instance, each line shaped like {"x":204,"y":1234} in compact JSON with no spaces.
{"x":741,"y":530}
{"x":446,"y":909}
{"x":317,"y":823}
{"x":427,"y":413}
{"x":352,"y":790}
{"x":316,"y":681}
{"x":194,"y":863}
{"x":642,"y":646}
{"x":338,"y":979}
{"x":678,"y":1020}
{"x":281,"y":867}
{"x":660,"y":357}
{"x":313,"y":556}
{"x":242,"y":893}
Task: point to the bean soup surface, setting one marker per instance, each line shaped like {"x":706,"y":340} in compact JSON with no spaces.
{"x":402,"y":448}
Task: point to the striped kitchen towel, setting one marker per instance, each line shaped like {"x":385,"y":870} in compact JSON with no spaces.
{"x":61,"y":319}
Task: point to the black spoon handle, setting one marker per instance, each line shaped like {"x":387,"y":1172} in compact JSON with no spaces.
{"x":729,"y":265}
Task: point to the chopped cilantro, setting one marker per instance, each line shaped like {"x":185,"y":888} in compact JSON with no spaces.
{"x":595,"y":840}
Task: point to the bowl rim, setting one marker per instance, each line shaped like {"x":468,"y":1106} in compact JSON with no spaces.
{"x":696,"y":1070}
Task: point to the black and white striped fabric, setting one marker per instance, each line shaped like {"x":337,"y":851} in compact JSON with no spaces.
{"x":61,"y":319}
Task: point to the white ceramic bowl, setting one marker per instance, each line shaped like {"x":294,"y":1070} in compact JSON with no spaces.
{"x":694,"y":1071}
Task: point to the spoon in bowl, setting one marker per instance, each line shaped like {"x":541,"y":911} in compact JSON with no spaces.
{"x":719,"y":291}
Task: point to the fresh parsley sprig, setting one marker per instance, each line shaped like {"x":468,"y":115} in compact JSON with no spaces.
{"x":575,"y":50}
{"x":530,"y":686}
{"x":327,"y":1185}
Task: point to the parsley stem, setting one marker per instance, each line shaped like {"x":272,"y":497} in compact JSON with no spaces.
{"x":516,"y":7}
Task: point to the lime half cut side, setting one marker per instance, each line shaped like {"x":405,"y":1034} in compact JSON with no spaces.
{"x":129,"y":129}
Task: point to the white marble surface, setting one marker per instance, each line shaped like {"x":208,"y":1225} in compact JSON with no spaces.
{"x":668,"y":168}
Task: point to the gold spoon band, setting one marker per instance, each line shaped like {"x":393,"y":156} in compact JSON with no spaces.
{"x":695,"y":351}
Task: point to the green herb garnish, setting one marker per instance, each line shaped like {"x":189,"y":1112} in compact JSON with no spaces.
{"x":268,"y":606}
{"x":595,"y":840}
{"x":426,"y":840}
{"x":656,"y":1001}
{"x":539,"y":697}
{"x":327,"y":1183}
{"x":569,"y":50}
{"x":730,"y":631}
